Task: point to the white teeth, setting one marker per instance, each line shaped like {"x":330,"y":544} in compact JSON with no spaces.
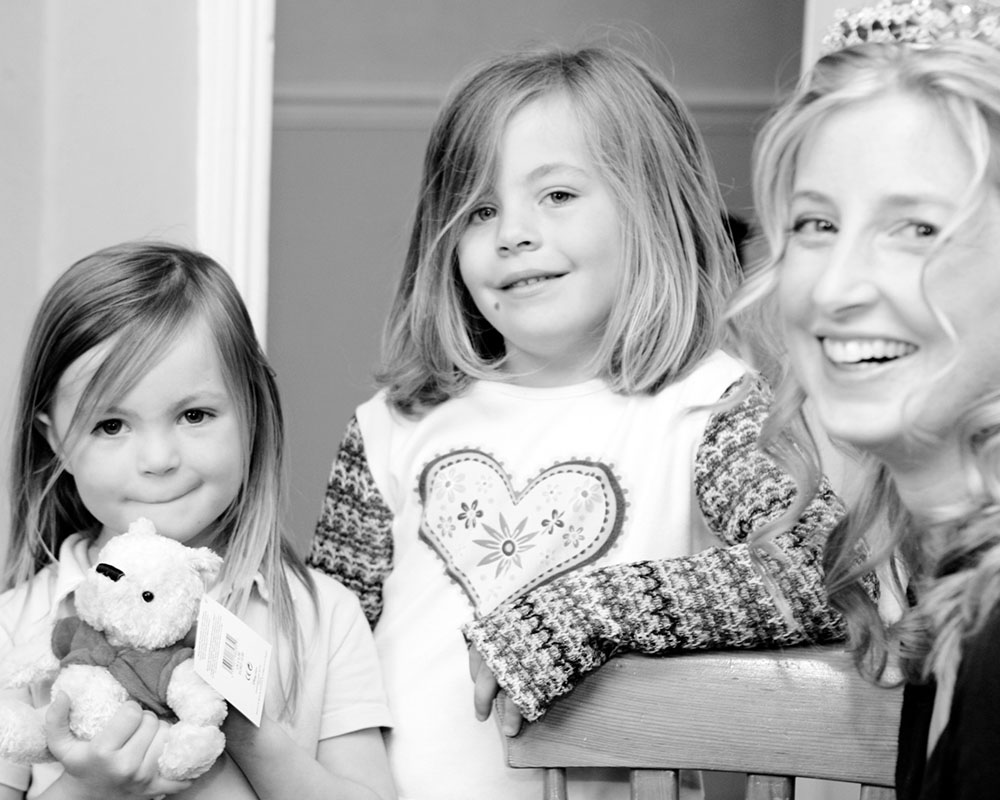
{"x":528,"y":281}
{"x":855,"y":351}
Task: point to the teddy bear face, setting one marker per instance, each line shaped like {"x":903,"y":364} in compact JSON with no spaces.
{"x":145,"y":590}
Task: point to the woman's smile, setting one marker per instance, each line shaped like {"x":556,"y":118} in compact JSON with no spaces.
{"x":864,"y":352}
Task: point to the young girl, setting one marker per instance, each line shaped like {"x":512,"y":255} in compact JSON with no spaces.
{"x":878,"y":186}
{"x":144,"y":393}
{"x":548,"y":359}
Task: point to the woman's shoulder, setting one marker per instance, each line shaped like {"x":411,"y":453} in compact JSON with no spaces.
{"x":984,"y":645}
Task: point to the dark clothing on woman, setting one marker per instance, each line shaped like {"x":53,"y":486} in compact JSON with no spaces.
{"x":965,"y":762}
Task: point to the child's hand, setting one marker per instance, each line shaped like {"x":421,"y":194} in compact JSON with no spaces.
{"x":120,"y":761}
{"x":486,"y":688}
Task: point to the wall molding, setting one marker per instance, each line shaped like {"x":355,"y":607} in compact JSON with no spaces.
{"x":235,"y":104}
{"x":337,"y":106}
{"x":390,"y":106}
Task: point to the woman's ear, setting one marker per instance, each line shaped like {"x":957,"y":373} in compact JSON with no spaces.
{"x":44,"y":424}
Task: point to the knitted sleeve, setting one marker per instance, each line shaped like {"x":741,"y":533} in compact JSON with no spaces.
{"x":353,"y":540}
{"x":541,"y":645}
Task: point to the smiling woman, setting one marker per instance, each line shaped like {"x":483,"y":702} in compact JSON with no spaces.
{"x":889,"y":297}
{"x":878,"y":188}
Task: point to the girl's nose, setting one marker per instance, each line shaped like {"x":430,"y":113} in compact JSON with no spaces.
{"x":157,"y":454}
{"x":517,"y":233}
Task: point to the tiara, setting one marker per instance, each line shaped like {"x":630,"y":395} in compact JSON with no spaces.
{"x":919,"y":22}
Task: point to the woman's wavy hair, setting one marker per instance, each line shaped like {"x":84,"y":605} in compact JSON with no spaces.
{"x":953,"y":563}
{"x":134,"y":300}
{"x":679,"y":258}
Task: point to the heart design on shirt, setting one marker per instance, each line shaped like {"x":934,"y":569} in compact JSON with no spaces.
{"x":498,"y":542}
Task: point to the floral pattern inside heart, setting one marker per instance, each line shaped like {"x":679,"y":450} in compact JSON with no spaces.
{"x":497,"y":541}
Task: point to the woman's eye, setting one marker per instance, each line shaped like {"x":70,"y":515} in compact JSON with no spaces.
{"x":918,"y":230}
{"x":812,"y":226}
{"x":109,"y":427}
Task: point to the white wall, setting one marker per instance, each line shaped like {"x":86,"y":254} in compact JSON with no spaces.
{"x":97,"y":145}
{"x":818,"y":18}
{"x":357,"y":83}
{"x":124,"y":119}
{"x":119,"y":127}
{"x":21,"y":114}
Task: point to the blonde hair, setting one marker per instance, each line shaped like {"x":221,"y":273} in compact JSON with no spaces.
{"x":679,"y":258}
{"x":955,"y":560}
{"x":137,"y":297}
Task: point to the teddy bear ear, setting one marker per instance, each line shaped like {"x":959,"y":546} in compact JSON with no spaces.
{"x":142,"y":525}
{"x":205,"y":562}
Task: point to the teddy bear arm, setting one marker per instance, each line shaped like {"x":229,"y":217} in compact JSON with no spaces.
{"x":192,"y":699}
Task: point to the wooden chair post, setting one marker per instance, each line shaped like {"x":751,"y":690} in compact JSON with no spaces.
{"x":653,"y":784}
{"x":770,"y":787}
{"x":555,"y":784}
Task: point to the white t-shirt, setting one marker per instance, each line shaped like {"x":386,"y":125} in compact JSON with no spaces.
{"x":493,"y":493}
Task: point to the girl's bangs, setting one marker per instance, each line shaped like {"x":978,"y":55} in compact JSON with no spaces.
{"x":132,"y":352}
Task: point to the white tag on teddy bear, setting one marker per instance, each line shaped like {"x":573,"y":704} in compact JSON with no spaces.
{"x":232,"y":658}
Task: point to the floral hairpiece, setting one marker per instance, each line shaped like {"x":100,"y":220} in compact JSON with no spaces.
{"x":919,"y":22}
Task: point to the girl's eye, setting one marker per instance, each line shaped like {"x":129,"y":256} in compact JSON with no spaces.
{"x":109,"y":427}
{"x":483,"y":214}
{"x":560,"y":196}
{"x":195,"y":416}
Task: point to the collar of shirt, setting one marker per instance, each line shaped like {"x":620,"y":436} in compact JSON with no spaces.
{"x":73,"y":565}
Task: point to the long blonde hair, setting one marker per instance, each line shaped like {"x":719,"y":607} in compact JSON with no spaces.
{"x":137,"y":297}
{"x":953,"y":563}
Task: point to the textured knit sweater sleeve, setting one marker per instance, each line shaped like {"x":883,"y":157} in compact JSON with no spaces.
{"x":353,"y":540}
{"x":540,"y":645}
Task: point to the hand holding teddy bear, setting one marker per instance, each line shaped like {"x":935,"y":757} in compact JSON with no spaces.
{"x":134,"y":609}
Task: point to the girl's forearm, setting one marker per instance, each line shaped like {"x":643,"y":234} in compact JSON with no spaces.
{"x":540,"y":646}
{"x":278,"y":768}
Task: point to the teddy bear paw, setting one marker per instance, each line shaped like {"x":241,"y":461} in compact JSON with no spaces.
{"x":190,"y":751}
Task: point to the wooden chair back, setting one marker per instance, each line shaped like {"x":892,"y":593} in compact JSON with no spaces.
{"x":772,"y":714}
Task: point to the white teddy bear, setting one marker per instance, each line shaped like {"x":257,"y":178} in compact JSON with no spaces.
{"x":134,"y":609}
